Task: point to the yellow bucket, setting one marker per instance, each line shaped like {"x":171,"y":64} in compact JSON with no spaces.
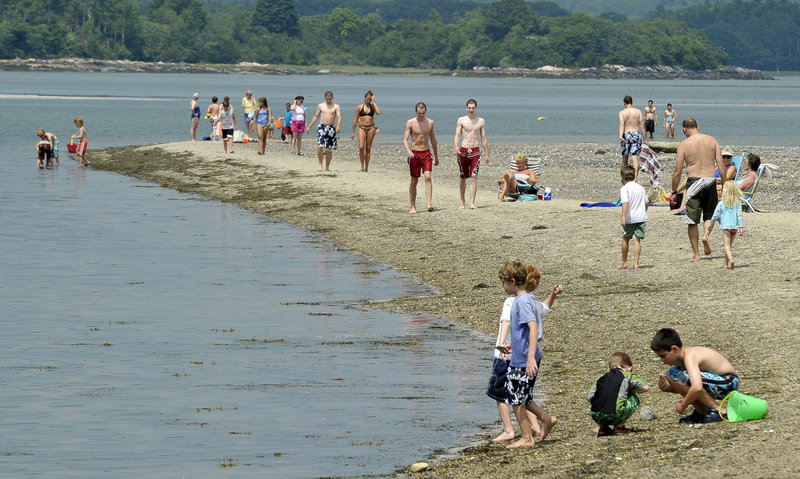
{"x":743,"y":408}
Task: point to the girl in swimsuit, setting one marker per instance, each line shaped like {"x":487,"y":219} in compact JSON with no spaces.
{"x":195,"y":108}
{"x":670,"y":116}
{"x":365,"y":121}
{"x":263,"y":117}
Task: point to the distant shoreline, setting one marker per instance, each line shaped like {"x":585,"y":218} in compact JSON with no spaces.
{"x":658,"y":72}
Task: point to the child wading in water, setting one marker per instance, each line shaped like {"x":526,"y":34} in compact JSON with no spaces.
{"x":82,"y":143}
{"x":526,"y":352}
{"x":729,"y":216}
{"x":497,"y":383}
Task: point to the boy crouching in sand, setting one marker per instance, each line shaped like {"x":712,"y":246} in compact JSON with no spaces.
{"x":634,"y":215}
{"x":526,"y":352}
{"x":613,"y":395}
{"x":699,"y":374}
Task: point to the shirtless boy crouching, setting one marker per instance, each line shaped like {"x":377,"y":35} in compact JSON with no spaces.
{"x":420,"y":129}
{"x":699,"y":374}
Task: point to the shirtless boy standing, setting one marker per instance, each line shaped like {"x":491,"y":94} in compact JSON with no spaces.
{"x":326,"y":133}
{"x":420,"y":129}
{"x":699,"y":374}
{"x":471,"y":127}
{"x":650,"y":118}
{"x":702,"y":156}
{"x":631,"y":122}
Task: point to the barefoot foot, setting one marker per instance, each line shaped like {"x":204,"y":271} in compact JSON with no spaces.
{"x":521,"y":443}
{"x":505,"y":436}
{"x":706,"y":247}
{"x":548,"y":426}
{"x":623,"y":266}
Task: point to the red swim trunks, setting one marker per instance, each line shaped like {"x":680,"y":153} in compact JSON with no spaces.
{"x":468,"y":161}
{"x":421,"y":161}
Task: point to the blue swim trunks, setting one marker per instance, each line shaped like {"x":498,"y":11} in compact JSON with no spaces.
{"x":632,"y":144}
{"x":717,"y":386}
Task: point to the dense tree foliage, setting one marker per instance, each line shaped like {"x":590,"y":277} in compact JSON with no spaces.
{"x":499,"y":34}
{"x":762,"y":34}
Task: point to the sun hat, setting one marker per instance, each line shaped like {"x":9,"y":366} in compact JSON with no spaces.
{"x":727,"y":152}
{"x":196,"y":95}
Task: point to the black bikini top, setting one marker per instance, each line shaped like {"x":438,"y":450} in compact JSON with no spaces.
{"x":363,"y":113}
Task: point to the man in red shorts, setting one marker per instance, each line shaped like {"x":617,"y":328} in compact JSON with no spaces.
{"x":420,"y":129}
{"x":471,"y":127}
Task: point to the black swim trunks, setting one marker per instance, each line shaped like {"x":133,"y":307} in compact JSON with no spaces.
{"x":650,"y":126}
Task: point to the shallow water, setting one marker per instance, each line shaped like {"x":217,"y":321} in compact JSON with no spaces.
{"x":150,"y":333}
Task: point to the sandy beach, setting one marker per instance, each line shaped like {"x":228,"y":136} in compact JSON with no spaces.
{"x":748,"y":314}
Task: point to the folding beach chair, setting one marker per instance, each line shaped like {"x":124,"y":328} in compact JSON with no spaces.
{"x":737,"y":162}
{"x":764,"y":170}
{"x":533,"y":164}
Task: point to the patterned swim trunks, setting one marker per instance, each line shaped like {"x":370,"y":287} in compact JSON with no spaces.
{"x":519,"y":387}
{"x":717,"y":386}
{"x":326,"y":137}
{"x":632,"y":144}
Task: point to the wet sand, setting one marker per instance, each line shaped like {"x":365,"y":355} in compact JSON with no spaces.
{"x":749,"y":314}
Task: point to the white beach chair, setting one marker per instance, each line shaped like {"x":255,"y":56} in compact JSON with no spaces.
{"x":766,"y":169}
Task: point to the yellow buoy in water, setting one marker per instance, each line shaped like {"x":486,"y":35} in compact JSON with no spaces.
{"x":541,"y":118}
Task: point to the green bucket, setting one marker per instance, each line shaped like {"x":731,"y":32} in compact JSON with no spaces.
{"x":743,"y":408}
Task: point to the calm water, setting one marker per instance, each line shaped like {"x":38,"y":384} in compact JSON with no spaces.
{"x":150,"y":333}
{"x":144,"y":108}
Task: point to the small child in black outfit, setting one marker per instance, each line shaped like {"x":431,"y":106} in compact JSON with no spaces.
{"x":613,"y":395}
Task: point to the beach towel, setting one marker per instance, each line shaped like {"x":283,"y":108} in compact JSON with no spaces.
{"x":602,"y":204}
{"x":648,"y":162}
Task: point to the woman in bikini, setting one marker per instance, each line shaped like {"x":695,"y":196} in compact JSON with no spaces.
{"x":365,"y":121}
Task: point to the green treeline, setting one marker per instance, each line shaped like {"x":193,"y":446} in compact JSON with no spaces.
{"x":761,"y":34}
{"x":506,"y":33}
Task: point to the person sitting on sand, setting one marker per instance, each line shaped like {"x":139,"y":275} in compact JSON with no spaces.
{"x":520,"y":180}
{"x":634,"y":215}
{"x":526,"y":352}
{"x":613,"y":395}
{"x":497,"y":383}
{"x":699,"y":374}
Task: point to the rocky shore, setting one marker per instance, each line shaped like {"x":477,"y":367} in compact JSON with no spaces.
{"x":749,"y":314}
{"x":659,"y":72}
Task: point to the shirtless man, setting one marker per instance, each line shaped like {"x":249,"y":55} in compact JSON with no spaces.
{"x":212,"y":113}
{"x":701,"y":154}
{"x":650,"y":118}
{"x":471,"y":128}
{"x":420,"y":129}
{"x":631,"y":122}
{"x":326,"y":133}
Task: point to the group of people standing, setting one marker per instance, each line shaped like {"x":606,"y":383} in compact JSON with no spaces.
{"x":710,"y":193}
{"x":259,"y":120}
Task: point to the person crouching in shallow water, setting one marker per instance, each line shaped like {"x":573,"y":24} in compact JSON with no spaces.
{"x":526,"y":352}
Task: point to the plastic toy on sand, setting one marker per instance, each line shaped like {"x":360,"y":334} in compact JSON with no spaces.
{"x":743,"y":408}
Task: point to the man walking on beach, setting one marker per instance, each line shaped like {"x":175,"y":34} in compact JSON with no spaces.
{"x":472,"y":128}
{"x":327,"y":113}
{"x":650,"y":118}
{"x":420,"y":129}
{"x":630,"y":140}
{"x":702,"y":156}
